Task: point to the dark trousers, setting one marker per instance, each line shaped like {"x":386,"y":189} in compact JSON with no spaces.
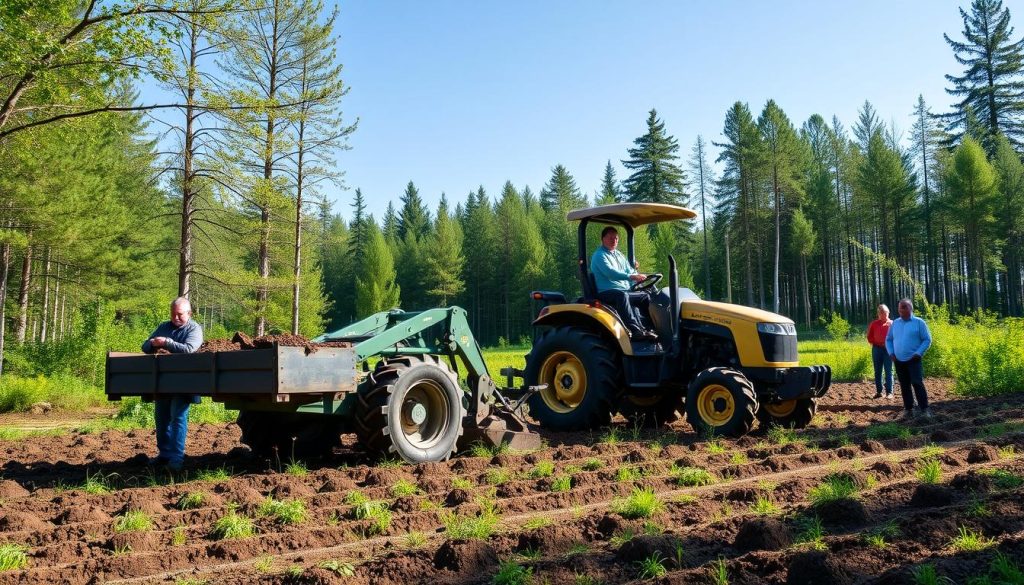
{"x":911,"y":374}
{"x":880,"y":359}
{"x":628,"y":304}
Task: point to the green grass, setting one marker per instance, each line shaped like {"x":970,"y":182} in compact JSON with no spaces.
{"x":968,"y":540}
{"x":611,"y":437}
{"x":764,"y":507}
{"x":626,"y":473}
{"x":477,"y":527}
{"x":562,"y":483}
{"x":537,"y":522}
{"x":999,"y":429}
{"x":191,"y":500}
{"x":543,"y":469}
{"x":652,"y":567}
{"x":715,"y":447}
{"x":738,"y":458}
{"x":592,"y":464}
{"x":811,"y":533}
{"x":62,"y":391}
{"x":930,"y":471}
{"x":377,"y":512}
{"x":780,"y":435}
{"x":889,"y":430}
{"x":415,"y":539}
{"x":218,"y":474}
{"x":642,"y":503}
{"x":850,"y":359}
{"x":339,"y":568}
{"x":16,"y":434}
{"x":13,"y":556}
{"x":461,"y":483}
{"x":932,"y":450}
{"x":835,"y":487}
{"x":98,"y":484}
{"x":355,"y":497}
{"x":720,"y":572}
{"x":498,"y":476}
{"x":879,"y":537}
{"x":1005,"y":480}
{"x":691,"y":476}
{"x":512,"y":573}
{"x":178,"y":535}
{"x":231,"y":526}
{"x":481,"y":449}
{"x":296,"y":468}
{"x":404,"y":487}
{"x":133,"y":521}
{"x":284,"y":512}
{"x":927,"y":575}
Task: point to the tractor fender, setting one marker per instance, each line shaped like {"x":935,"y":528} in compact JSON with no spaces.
{"x":587,"y":316}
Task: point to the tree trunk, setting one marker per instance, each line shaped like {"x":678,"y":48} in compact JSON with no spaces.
{"x":26,"y":282}
{"x":728,"y":270}
{"x":5,"y":266}
{"x":46,"y":297}
{"x":807,"y":291}
{"x":297,"y":269}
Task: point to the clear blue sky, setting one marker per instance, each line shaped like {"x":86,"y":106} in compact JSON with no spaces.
{"x":457,"y":94}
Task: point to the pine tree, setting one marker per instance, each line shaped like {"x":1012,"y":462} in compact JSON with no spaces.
{"x":991,"y":85}
{"x":358,"y":227}
{"x":1010,"y":208}
{"x":702,"y":173}
{"x":656,"y":177}
{"x":444,"y":257}
{"x":478,"y":226}
{"x":971,"y":186}
{"x":376,"y":289}
{"x":390,"y":228}
{"x":924,"y":133}
{"x":561,"y":193}
{"x":414,"y":216}
{"x":802,"y":242}
{"x":609,"y":187}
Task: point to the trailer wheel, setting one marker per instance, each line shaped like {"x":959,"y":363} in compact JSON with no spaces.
{"x":790,"y":414}
{"x":582,"y":377}
{"x":293,"y":435}
{"x":411,"y":407}
{"x":651,"y":411}
{"x":721,"y":401}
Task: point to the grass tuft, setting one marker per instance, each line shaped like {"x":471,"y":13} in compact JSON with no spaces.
{"x":543,"y":469}
{"x":284,"y":512}
{"x":476,"y":527}
{"x":512,"y":573}
{"x":652,"y":567}
{"x":642,"y":503}
{"x":764,"y":507}
{"x":191,"y":501}
{"x":930,"y":471}
{"x":377,"y":512}
{"x":691,"y":476}
{"x":927,"y":575}
{"x":889,"y":430}
{"x":405,"y":488}
{"x":968,"y":540}
{"x":231,"y":526}
{"x":218,"y":474}
{"x":835,"y":487}
{"x":562,"y":483}
{"x":13,"y":556}
{"x":133,"y":521}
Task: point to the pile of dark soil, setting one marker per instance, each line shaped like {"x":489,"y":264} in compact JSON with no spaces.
{"x":241,"y":341}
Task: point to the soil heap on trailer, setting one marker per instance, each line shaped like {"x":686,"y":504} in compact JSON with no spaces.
{"x":296,"y":399}
{"x":724,"y":365}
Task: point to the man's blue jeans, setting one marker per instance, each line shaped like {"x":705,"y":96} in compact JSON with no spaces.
{"x":880,"y":359}
{"x":171,"y":427}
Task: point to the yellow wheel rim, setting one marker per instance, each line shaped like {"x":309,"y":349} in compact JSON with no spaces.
{"x":566,"y":378}
{"x":780,"y":409}
{"x":715,"y":405}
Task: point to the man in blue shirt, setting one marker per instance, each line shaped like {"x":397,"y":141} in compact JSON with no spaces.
{"x":179,"y":335}
{"x":906,"y":342}
{"x":612,"y":276}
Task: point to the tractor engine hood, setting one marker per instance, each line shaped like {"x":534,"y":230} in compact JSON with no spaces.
{"x":726,"y":313}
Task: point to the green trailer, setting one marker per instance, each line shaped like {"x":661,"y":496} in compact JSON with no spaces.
{"x":393,"y":380}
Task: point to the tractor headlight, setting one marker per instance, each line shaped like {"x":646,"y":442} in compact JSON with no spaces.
{"x":777,"y":328}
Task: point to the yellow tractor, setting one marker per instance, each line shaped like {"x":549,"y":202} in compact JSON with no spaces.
{"x":724,"y":365}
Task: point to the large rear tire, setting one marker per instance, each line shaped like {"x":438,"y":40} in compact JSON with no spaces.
{"x":721,"y":401}
{"x":412,"y":407}
{"x":653,"y":411}
{"x":582,"y":376}
{"x":289,"y":435}
{"x":791,"y":414}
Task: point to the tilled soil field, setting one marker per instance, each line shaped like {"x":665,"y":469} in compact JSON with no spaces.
{"x":856,"y":498}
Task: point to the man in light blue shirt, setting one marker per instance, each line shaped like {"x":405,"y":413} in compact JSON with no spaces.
{"x":613,"y":277}
{"x":906,"y":343}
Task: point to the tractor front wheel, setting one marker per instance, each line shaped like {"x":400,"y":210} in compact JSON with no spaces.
{"x":289,"y":435}
{"x":721,"y":401}
{"x":582,"y":377}
{"x":411,"y":407}
{"x":790,"y":414}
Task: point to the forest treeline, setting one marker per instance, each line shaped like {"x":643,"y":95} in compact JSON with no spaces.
{"x":113,"y":202}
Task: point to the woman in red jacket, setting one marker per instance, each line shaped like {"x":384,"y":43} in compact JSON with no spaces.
{"x":877,"y":331}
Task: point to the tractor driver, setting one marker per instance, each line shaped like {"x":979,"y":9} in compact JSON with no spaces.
{"x":612,"y":276}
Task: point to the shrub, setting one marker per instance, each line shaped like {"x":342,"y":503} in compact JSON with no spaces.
{"x":837,"y":327}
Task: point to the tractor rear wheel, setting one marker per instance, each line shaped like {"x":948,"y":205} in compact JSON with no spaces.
{"x":582,"y":377}
{"x":289,"y":435}
{"x":651,"y":411}
{"x":411,"y":407}
{"x":721,"y":401}
{"x":790,"y":414}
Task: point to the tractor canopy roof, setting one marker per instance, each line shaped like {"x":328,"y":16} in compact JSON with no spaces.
{"x":632,"y":214}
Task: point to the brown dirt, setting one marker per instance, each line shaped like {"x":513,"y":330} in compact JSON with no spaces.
{"x":241,"y":341}
{"x":70,"y":538}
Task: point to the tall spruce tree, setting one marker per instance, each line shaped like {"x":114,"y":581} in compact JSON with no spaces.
{"x":991,"y":85}
{"x":704,"y":179}
{"x":1010,"y":208}
{"x":561,"y":193}
{"x":413,"y":216}
{"x":971,"y":186}
{"x":376,"y":289}
{"x":609,"y":187}
{"x":656,"y":177}
{"x":444,"y":257}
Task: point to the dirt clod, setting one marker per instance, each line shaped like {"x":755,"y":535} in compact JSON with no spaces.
{"x":928,"y":495}
{"x":466,"y":556}
{"x":817,"y":568}
{"x":982,"y":453}
{"x":763,"y":534}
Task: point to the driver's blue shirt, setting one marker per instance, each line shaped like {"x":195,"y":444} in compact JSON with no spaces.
{"x":611,"y":269}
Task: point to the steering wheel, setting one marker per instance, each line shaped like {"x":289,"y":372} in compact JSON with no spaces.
{"x":647,"y":283}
